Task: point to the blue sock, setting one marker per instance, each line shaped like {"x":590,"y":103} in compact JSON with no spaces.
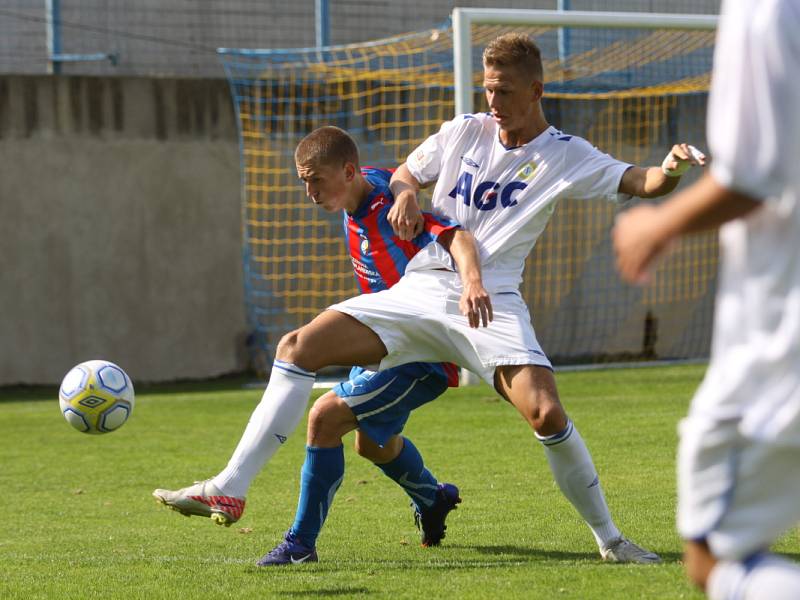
{"x":321,"y":476}
{"x":410,"y":474}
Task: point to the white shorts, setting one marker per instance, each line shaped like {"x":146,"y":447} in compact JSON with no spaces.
{"x":736,"y":493}
{"x":418,"y":320}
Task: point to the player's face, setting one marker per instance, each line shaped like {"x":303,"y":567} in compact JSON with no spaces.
{"x":512,"y":96}
{"x":327,"y":185}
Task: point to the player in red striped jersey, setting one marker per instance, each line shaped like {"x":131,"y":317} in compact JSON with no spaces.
{"x":378,"y":403}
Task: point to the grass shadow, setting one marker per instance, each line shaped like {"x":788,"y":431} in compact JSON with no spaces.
{"x":557,"y":555}
{"x":527,"y":552}
{"x":28,"y":393}
{"x":441,"y":563}
{"x":49,"y":392}
{"x":450,"y":558}
{"x":330,"y":593}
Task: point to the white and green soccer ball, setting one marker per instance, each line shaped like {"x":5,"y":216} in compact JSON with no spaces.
{"x":96,"y":396}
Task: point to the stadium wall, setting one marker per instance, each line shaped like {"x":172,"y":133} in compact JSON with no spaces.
{"x":120,"y":227}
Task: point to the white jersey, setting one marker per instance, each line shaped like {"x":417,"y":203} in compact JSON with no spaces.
{"x":505,"y":196}
{"x":754,"y":137}
{"x":739,"y":475}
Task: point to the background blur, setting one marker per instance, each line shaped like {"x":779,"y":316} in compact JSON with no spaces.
{"x":120,"y":184}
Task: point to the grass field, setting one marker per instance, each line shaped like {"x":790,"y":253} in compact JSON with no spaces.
{"x":80,"y":521}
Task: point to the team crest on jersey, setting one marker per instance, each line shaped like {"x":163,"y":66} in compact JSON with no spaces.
{"x":527,"y":171}
{"x":364,"y":245}
{"x":469,"y":162}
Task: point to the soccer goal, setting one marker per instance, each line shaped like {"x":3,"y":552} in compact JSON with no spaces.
{"x":631,"y":83}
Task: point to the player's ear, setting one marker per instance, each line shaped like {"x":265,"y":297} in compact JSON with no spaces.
{"x":349,"y":171}
{"x":537,"y":88}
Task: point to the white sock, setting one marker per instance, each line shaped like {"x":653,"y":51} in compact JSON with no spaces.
{"x":276,"y":416}
{"x":764,"y":577}
{"x":575,"y":474}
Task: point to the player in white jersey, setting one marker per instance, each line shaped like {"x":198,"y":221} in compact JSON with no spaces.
{"x":739,"y":457}
{"x":506,"y":195}
{"x":424,"y":316}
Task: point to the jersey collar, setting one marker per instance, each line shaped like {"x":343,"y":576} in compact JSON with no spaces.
{"x":363,"y":208}
{"x":550,"y":130}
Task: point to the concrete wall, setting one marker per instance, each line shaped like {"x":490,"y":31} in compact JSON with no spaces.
{"x":120,"y":228}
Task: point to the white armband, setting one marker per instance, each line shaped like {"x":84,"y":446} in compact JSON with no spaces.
{"x":683,"y":165}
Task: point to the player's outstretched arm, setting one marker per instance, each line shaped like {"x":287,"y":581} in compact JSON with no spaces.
{"x":645,"y":232}
{"x":651,"y":182}
{"x":405,"y":216}
{"x":475,"y":303}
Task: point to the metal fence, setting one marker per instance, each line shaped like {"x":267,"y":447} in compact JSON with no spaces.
{"x":180,"y":38}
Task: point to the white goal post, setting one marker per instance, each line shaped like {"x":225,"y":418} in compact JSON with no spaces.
{"x":464,"y":18}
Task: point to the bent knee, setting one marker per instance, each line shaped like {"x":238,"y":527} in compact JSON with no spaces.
{"x":546,"y":418}
{"x":323,"y":412}
{"x":330,"y":416}
{"x":367,"y":448}
{"x":290,"y":348}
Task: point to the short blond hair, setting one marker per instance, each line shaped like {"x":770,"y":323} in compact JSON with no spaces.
{"x":327,"y":146}
{"x":515,"y":50}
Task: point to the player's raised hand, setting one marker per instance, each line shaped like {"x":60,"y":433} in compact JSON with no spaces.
{"x":681,"y":158}
{"x":476,"y":304}
{"x":405,"y":217}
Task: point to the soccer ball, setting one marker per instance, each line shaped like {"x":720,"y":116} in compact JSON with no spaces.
{"x":96,"y":397}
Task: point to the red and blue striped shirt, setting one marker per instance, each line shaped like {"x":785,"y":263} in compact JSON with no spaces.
{"x":380,"y":257}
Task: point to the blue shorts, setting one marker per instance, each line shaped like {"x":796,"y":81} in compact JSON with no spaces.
{"x":383,"y":400}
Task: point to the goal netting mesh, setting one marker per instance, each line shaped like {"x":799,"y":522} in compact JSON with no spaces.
{"x":630,"y":92}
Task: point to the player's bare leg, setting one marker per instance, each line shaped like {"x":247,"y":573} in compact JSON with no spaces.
{"x":328,"y":421}
{"x":332,"y":338}
{"x":698,"y":562}
{"x":368,"y":449}
{"x":532,"y":391}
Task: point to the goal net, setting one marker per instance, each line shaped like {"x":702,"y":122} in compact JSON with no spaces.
{"x":629,"y":86}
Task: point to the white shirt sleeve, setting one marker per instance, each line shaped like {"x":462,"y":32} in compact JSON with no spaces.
{"x":425,"y":162}
{"x":754,"y":106}
{"x":594,"y":174}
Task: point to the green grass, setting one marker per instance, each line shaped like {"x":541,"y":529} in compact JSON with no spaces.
{"x":79,"y":520}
